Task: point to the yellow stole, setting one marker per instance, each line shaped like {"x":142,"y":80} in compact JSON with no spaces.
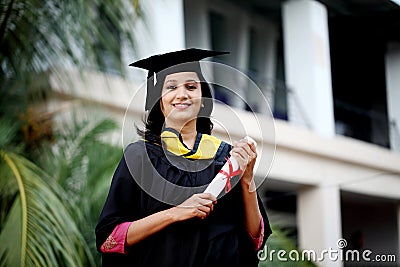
{"x":206,"y":148}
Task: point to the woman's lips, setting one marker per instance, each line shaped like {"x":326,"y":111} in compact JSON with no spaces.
{"x":181,"y":106}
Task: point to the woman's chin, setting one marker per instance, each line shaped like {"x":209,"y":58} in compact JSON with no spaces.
{"x":182,"y":119}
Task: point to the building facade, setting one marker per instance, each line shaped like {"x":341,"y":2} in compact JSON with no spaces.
{"x":331,"y":73}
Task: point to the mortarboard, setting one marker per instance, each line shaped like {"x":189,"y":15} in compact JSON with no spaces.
{"x":172,"y":62}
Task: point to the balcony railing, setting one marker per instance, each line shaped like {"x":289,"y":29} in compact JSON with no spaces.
{"x":369,"y":125}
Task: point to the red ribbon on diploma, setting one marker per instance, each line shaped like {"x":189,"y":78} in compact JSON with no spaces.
{"x":229,"y":175}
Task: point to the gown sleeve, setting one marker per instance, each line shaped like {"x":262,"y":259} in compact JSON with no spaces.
{"x":260,"y":237}
{"x":115,"y":242}
{"x":122,"y":203}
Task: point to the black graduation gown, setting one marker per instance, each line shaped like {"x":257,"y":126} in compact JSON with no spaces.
{"x":219,"y":240}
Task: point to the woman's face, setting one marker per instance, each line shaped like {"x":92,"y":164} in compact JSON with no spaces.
{"x":181,"y":97}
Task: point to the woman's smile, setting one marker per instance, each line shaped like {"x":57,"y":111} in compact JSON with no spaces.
{"x":181,"y":106}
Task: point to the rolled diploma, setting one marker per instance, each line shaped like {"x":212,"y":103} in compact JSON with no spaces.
{"x":218,"y":183}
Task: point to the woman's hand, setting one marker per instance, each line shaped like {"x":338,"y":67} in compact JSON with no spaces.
{"x":246,"y":155}
{"x":198,"y":205}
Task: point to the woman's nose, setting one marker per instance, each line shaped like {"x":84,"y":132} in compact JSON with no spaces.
{"x":181,"y":92}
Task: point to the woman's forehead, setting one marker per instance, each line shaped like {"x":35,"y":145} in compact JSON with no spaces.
{"x":182,"y":76}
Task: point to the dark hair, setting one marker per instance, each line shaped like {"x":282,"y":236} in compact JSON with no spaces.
{"x":155,"y":119}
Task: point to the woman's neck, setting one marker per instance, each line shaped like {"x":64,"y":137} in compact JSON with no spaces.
{"x":188,"y":132}
{"x":189,"y":138}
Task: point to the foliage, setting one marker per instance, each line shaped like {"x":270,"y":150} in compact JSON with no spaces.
{"x":39,"y":222}
{"x":36,"y":227}
{"x":36,"y":35}
{"x":83,"y":165}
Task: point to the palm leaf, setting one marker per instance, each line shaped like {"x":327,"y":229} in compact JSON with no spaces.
{"x":82,"y":162}
{"x":67,"y":158}
{"x":38,"y":229}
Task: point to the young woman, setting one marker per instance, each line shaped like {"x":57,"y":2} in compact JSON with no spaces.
{"x":156,"y":213}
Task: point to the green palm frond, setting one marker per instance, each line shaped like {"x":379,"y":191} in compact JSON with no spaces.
{"x":8,"y":130}
{"x":38,"y":230}
{"x":83,"y":164}
{"x":68,"y":156}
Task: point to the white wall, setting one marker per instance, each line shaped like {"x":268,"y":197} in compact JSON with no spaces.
{"x":162,"y":29}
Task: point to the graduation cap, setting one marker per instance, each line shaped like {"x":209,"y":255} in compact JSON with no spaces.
{"x":159,"y":66}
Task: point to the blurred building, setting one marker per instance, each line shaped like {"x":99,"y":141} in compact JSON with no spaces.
{"x":331,"y":72}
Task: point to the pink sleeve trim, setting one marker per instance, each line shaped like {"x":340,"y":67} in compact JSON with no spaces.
{"x":115,"y":242}
{"x":259,"y":239}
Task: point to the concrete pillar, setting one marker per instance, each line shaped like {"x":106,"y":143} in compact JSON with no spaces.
{"x":307,"y":65}
{"x":319,"y":221}
{"x":393,"y":94}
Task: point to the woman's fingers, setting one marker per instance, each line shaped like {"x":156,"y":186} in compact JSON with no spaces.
{"x":245,"y":153}
{"x":198,"y":205}
{"x":203,"y":207}
{"x":245,"y":150}
{"x":208,"y":198}
{"x":204,"y":210}
{"x":248,"y":147}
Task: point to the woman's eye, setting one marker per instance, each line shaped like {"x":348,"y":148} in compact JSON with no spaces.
{"x":171,"y":87}
{"x":191,"y":86}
